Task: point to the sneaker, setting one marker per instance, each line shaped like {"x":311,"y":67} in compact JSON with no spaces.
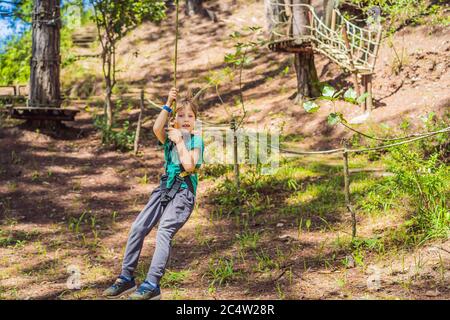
{"x":121,"y":287}
{"x":146,"y":292}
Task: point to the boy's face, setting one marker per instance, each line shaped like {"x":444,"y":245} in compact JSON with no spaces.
{"x":185,"y":119}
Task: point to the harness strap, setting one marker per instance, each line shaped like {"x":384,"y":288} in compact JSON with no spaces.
{"x":169,"y":194}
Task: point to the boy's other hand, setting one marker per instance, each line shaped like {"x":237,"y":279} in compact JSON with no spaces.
{"x":175,"y":135}
{"x":172,"y":96}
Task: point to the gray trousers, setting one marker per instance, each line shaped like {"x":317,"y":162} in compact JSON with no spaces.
{"x":171,"y":218}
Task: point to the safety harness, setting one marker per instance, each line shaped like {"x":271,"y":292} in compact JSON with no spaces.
{"x":168,"y":194}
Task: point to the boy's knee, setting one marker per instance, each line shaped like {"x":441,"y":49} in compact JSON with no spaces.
{"x":138,"y":229}
{"x":166,"y":233}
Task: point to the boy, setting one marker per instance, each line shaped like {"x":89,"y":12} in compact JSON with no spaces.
{"x":171,"y":203}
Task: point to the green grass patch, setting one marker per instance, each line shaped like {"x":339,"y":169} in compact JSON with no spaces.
{"x":174,"y":279}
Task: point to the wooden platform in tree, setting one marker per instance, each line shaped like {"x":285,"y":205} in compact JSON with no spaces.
{"x":292,"y":45}
{"x":350,"y":46}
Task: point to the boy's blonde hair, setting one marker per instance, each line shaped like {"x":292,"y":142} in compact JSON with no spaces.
{"x":188,"y":100}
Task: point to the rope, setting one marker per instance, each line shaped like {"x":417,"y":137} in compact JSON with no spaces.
{"x":175,"y":62}
{"x":399,"y":143}
{"x":388,"y":139}
{"x":303,"y":152}
{"x":342,"y":150}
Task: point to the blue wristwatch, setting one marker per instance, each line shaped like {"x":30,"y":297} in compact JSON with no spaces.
{"x":167,"y":108}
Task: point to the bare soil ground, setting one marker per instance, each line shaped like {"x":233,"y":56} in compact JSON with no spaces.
{"x":48,"y":182}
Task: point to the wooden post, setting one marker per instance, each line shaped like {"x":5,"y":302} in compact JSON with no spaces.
{"x":367,"y":86}
{"x":138,"y":127}
{"x":369,"y":100}
{"x":235,"y":153}
{"x":354,"y":71}
{"x":333,"y":20}
{"x":377,"y":47}
{"x":347,"y":190}
{"x":328,"y":9}
{"x":311,"y":22}
{"x":364,"y":85}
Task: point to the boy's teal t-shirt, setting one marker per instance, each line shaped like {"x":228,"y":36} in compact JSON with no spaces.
{"x":172,"y":161}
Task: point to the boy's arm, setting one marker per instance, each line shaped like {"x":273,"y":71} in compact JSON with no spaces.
{"x":188,"y":158}
{"x":159,"y":126}
{"x":161,"y":120}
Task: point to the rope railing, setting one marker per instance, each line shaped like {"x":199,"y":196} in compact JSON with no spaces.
{"x":305,"y":152}
{"x":417,"y":137}
{"x":424,"y":136}
{"x":363,"y":44}
{"x":385,"y":139}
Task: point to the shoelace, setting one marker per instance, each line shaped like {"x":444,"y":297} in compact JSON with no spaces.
{"x":144,"y":289}
{"x":120,"y":281}
{"x":117,"y":283}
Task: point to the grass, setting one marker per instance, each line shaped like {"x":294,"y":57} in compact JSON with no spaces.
{"x":307,"y":192}
{"x":248,"y":239}
{"x":16,"y":238}
{"x":201,"y":238}
{"x":264,"y":262}
{"x":221,"y":271}
{"x":396,"y":14}
{"x":174,"y":279}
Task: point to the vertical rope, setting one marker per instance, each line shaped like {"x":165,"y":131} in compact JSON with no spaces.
{"x":175,"y":62}
{"x":175,"y":59}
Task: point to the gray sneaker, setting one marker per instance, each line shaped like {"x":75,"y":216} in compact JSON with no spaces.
{"x":146,"y":292}
{"x":121,"y":287}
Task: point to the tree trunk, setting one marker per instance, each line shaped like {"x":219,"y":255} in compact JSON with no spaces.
{"x":196,"y":7}
{"x":274,"y":13}
{"x":108,"y":105}
{"x":109,"y":73}
{"x":45,"y":62}
{"x":305,"y":68}
{"x":307,"y":79}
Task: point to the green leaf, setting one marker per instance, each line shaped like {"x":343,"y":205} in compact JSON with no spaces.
{"x":428,"y":118}
{"x":247,"y":60}
{"x":334,"y":118}
{"x":328,"y":91}
{"x":362,"y":98}
{"x":308,"y":224}
{"x":385,"y":126}
{"x":255,"y":28}
{"x":235,"y":35}
{"x":311,"y":106}
{"x":230,"y":58}
{"x":350,"y":95}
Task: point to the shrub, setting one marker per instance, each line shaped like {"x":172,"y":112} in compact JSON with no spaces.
{"x":121,"y":138}
{"x":426,"y":181}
